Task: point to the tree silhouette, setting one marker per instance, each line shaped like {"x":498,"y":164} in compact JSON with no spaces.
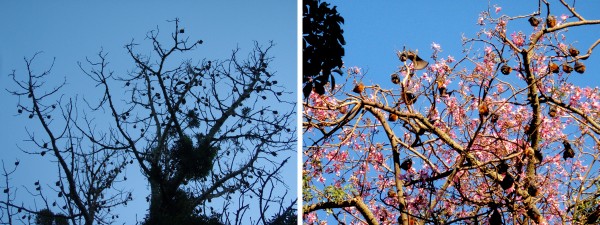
{"x":210,"y":136}
{"x":47,"y":217}
{"x":499,"y":135}
{"x":85,"y":186}
{"x":322,"y":50}
{"x":288,"y":217}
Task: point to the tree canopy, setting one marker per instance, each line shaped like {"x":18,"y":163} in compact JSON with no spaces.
{"x":322,"y":45}
{"x":210,"y":136}
{"x":495,"y":134}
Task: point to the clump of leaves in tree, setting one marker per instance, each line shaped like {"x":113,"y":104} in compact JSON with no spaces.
{"x":322,"y":45}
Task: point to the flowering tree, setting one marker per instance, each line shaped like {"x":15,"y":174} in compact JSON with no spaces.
{"x":497,"y":136}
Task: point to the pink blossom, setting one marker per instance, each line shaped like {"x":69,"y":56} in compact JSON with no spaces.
{"x":321,"y":179}
{"x":427,"y":77}
{"x":354,"y":70}
{"x":480,"y":21}
{"x":498,"y":8}
{"x":562,"y":47}
{"x":488,"y":49}
{"x":518,"y":39}
{"x":436,"y":47}
{"x":488,"y":33}
{"x":576,"y":97}
{"x":501,"y":26}
{"x":310,"y":218}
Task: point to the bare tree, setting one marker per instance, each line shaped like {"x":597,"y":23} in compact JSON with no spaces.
{"x":86,"y":171}
{"x":210,"y":136}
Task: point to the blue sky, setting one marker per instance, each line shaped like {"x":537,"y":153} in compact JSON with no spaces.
{"x":375,"y":30}
{"x":73,"y":30}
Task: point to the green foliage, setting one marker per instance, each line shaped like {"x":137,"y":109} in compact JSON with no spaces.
{"x":588,"y":210}
{"x":192,"y":119}
{"x":245,"y":111}
{"x":179,"y":208}
{"x":286,"y":218}
{"x":335,"y":194}
{"x":322,"y":46}
{"x":194,"y":162}
{"x":191,"y":219}
{"x":47,"y":217}
{"x":307,"y":189}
